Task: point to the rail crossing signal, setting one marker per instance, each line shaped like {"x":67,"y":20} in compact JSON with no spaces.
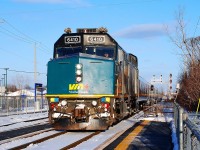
{"x":158,"y":80}
{"x":170,"y":82}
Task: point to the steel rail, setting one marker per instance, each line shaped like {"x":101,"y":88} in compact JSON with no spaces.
{"x":38,"y":141}
{"x":80,"y":141}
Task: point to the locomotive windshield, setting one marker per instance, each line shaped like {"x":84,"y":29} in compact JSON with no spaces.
{"x":65,"y":51}
{"x":100,"y":51}
{"x":104,"y":51}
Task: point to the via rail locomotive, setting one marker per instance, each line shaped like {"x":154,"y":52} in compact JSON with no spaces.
{"x":92,"y":83}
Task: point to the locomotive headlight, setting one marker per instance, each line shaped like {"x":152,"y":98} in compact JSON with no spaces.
{"x":94,"y":103}
{"x":78,"y":66}
{"x":64,"y":103}
{"x":78,"y":79}
{"x":78,"y":72}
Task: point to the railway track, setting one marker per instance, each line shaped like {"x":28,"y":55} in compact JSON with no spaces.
{"x":51,"y":139}
{"x":56,"y":135}
{"x":37,"y":141}
{"x":80,"y":141}
{"x":12,"y":133}
{"x":32,"y":121}
{"x":25,"y":136}
{"x":33,"y":131}
{"x":67,"y":140}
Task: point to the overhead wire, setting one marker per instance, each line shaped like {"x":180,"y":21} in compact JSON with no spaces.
{"x":19,"y":35}
{"x":22,"y":71}
{"x":27,"y":37}
{"x":13,"y":35}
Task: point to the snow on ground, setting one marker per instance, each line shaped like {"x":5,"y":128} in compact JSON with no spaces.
{"x":59,"y":142}
{"x":17,"y":121}
{"x":25,"y":140}
{"x":174,"y":138}
{"x":20,"y":118}
{"x":88,"y":145}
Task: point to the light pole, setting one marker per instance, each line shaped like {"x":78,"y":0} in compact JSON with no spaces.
{"x":6,"y":77}
{"x":2,"y":85}
{"x":3,"y":93}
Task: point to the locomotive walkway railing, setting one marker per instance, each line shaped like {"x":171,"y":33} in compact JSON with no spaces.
{"x":10,"y":105}
{"x":187,"y":129}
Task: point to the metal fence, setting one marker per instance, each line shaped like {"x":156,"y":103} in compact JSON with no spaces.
{"x":20,"y":104}
{"x":187,"y":129}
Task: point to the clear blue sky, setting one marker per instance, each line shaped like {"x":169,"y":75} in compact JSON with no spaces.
{"x":137,"y":25}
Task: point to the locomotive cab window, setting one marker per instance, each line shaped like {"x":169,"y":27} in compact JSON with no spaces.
{"x":101,"y":51}
{"x":65,"y":51}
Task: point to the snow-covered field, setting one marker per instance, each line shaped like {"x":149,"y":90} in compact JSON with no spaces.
{"x":93,"y":143}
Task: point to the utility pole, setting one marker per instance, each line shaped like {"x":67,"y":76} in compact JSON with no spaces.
{"x":1,"y":87}
{"x":35,"y":65}
{"x":6,"y":78}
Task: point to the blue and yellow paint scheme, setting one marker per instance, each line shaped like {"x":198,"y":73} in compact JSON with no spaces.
{"x":98,"y":77}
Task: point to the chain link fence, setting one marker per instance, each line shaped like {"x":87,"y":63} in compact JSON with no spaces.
{"x":10,"y":105}
{"x":187,"y":129}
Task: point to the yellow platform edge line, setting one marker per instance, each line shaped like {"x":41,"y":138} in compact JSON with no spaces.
{"x":127,"y":141}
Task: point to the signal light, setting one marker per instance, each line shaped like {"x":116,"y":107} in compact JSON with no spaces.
{"x":79,"y":66}
{"x":79,"y":73}
{"x":64,"y":103}
{"x":152,"y":87}
{"x":53,"y":105}
{"x":105,"y":105}
{"x":78,"y":79}
{"x":94,"y":103}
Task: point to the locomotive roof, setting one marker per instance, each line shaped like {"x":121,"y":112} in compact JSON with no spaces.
{"x":84,"y":31}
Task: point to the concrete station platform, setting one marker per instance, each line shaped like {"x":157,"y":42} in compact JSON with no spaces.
{"x":150,"y":133}
{"x":144,"y":135}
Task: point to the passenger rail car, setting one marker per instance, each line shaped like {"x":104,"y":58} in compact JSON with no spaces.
{"x":92,"y":82}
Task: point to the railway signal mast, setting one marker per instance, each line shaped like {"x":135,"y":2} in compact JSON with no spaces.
{"x":158,"y":80}
{"x":154,"y":81}
{"x":170,"y":85}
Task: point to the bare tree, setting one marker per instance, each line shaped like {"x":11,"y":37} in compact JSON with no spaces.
{"x":21,"y":81}
{"x":189,"y":48}
{"x":12,"y":88}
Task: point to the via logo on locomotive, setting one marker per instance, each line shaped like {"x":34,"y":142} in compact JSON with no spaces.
{"x":73,"y":88}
